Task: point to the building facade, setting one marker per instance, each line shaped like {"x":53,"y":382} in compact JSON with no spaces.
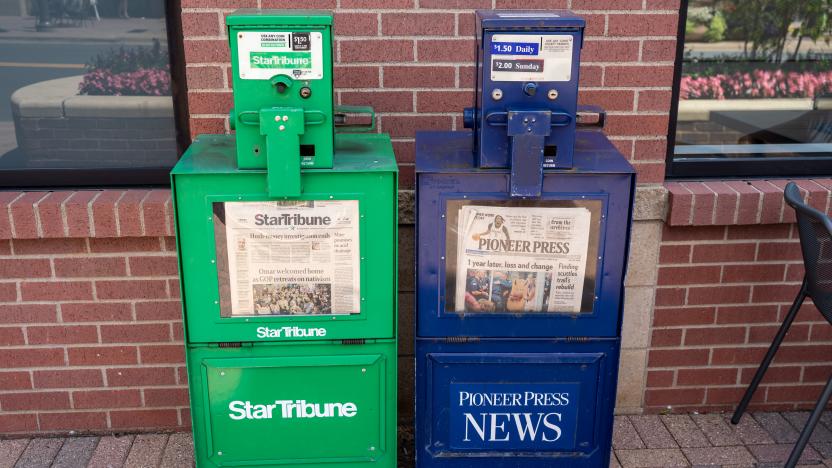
{"x":90,"y":320}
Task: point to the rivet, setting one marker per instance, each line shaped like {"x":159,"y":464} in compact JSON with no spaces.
{"x":552,"y":94}
{"x":213,"y":261}
{"x":281,"y":128}
{"x":285,"y":118}
{"x":219,"y":453}
{"x":441,"y":258}
{"x":363,"y":371}
{"x":277,"y":118}
{"x":222,"y":373}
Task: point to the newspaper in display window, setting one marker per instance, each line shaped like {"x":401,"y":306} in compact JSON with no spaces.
{"x":294,"y":258}
{"x":521,"y":260}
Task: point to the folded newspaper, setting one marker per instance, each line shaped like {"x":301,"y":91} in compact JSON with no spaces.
{"x":293,"y":258}
{"x":521,"y":260}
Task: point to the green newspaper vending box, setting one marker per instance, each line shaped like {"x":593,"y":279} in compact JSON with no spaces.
{"x":287,"y":261}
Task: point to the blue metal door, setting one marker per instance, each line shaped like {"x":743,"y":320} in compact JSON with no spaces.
{"x":518,"y":403}
{"x":601,"y":183}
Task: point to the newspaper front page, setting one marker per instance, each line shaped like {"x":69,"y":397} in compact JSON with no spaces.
{"x":521,"y":260}
{"x":293,"y":258}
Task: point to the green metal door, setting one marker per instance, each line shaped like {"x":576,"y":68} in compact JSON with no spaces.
{"x":364,"y":175}
{"x":294,"y":405}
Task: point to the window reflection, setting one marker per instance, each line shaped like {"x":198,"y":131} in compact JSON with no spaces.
{"x":85,"y":84}
{"x":756,"y":80}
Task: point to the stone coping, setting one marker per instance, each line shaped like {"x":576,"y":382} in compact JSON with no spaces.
{"x":149,"y":212}
{"x":59,"y":99}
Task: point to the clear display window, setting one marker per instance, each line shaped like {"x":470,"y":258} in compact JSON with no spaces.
{"x":521,"y":257}
{"x":288,"y":258}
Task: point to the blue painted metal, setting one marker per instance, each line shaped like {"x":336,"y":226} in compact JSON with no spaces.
{"x":446,"y":172}
{"x":515,"y":403}
{"x":487,"y":117}
{"x":505,"y":389}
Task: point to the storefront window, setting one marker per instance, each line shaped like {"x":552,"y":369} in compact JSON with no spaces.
{"x":754,"y":88}
{"x":87,"y":92}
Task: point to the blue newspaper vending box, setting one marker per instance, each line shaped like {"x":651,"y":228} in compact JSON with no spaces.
{"x":522,"y":235}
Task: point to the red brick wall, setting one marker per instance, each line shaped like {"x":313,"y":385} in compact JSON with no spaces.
{"x":729,"y":268}
{"x":90,"y":329}
{"x":90,"y":321}
{"x":415,"y":65}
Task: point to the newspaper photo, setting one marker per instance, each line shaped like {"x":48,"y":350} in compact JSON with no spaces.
{"x":520,"y":260}
{"x":293,"y":257}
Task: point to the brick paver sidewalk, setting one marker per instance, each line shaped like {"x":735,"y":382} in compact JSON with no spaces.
{"x":761,"y":439}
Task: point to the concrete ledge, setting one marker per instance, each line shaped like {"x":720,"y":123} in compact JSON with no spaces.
{"x":119,"y":107}
{"x":59,"y":98}
{"x":700,"y":109}
{"x":44,"y":99}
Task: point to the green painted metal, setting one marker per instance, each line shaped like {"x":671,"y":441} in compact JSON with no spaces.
{"x":287,"y":390}
{"x":259,"y":17}
{"x":270,"y":83}
{"x":356,"y":429}
{"x":283,"y":128}
{"x":364,"y":170}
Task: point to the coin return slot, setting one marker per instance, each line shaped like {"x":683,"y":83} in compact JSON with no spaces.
{"x":550,"y":151}
{"x":307,"y":150}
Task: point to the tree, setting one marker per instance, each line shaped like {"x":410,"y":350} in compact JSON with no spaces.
{"x":766,"y":25}
{"x":815,"y":23}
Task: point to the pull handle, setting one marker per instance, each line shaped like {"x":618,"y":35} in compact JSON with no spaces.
{"x":591,"y":116}
{"x":342,"y":114}
{"x":282,"y":127}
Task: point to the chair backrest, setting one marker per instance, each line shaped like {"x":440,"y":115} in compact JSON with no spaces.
{"x":815,"y":229}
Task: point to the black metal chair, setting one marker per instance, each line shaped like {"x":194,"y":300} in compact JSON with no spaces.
{"x":815,"y":229}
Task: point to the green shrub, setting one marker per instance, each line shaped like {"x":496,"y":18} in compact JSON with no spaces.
{"x":716,"y":28}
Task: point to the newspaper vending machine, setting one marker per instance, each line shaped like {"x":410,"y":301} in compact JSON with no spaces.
{"x":287,"y":250}
{"x":522,"y":236}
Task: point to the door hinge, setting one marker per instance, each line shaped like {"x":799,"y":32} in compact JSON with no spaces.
{"x":461,"y":339}
{"x":230,"y":344}
{"x":577,"y":339}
